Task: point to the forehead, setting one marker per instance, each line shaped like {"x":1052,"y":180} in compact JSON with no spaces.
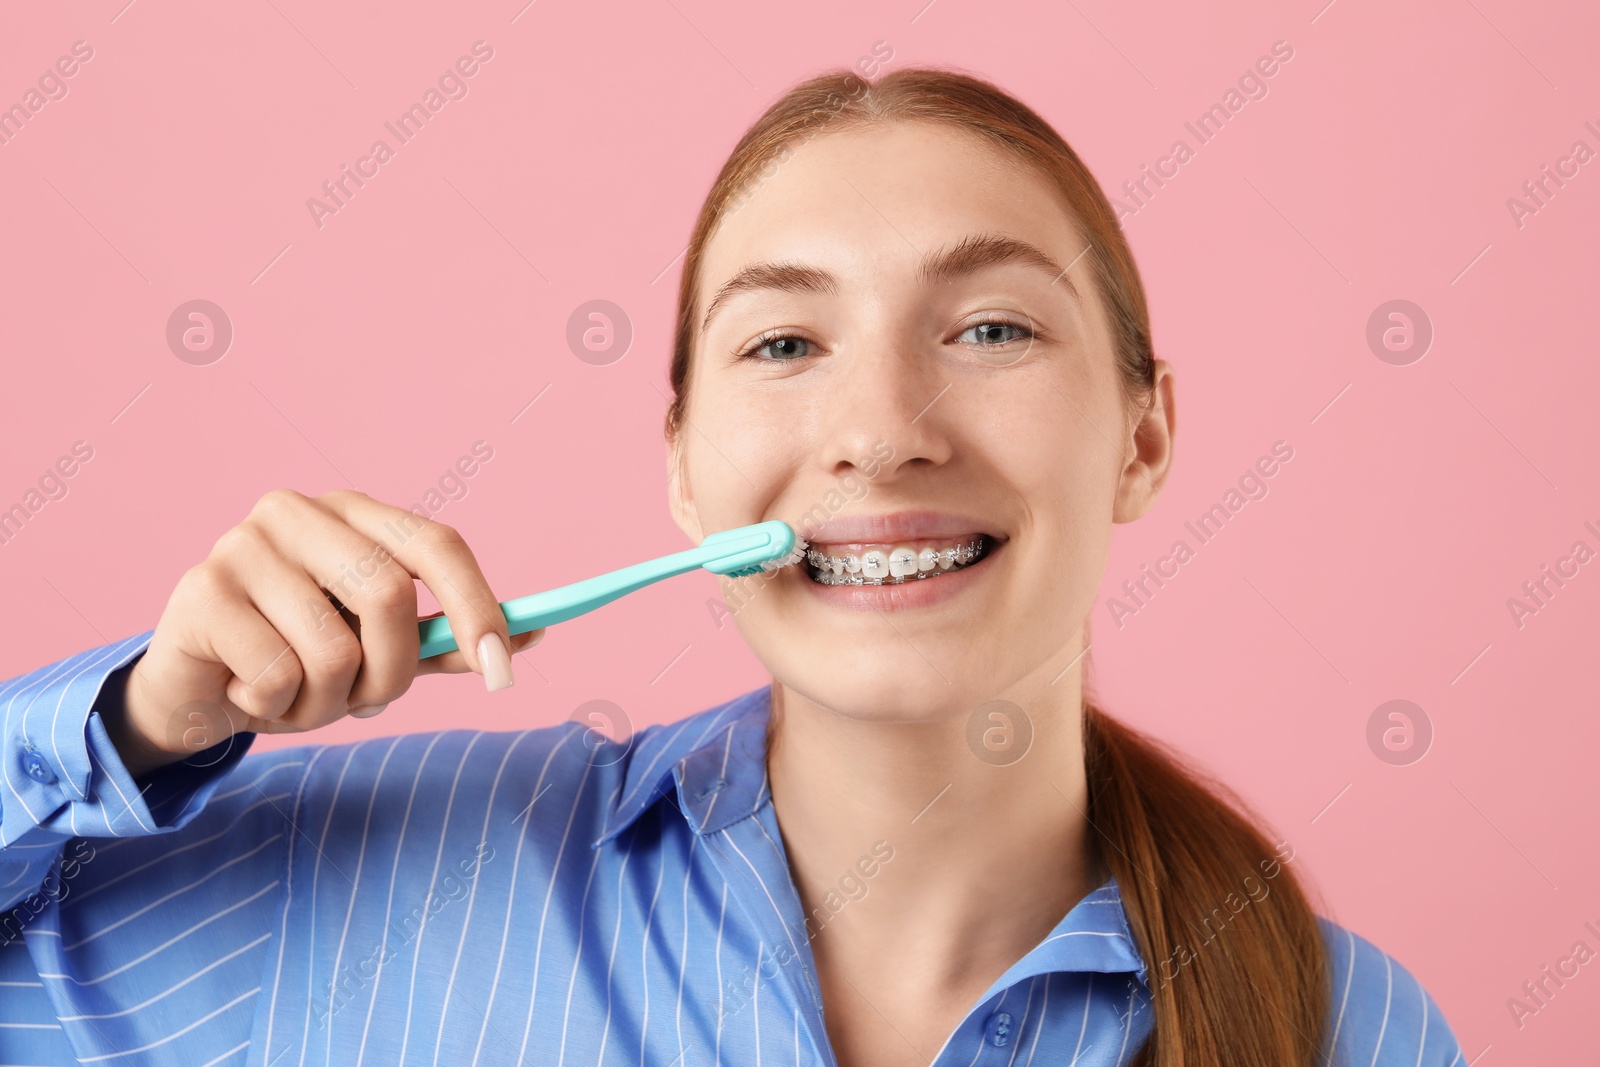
{"x":879,"y":197}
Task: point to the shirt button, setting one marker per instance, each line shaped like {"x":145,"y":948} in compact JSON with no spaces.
{"x":37,"y":768}
{"x":998,"y":1029}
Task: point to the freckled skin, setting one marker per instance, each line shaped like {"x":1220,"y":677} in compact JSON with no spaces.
{"x":1026,"y":444}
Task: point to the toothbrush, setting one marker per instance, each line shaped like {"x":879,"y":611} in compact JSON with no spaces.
{"x":736,"y":553}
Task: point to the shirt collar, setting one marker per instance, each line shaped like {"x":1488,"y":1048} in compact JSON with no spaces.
{"x":1093,"y":936}
{"x":717,"y":758}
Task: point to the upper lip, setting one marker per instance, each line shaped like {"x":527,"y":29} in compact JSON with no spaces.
{"x":890,"y":527}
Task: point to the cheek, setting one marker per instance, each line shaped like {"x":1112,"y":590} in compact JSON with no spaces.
{"x":1057,"y":458}
{"x":738,"y":461}
{"x":1056,"y":454}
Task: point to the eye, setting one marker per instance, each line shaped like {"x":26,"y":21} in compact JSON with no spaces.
{"x":991,"y":332}
{"x":786,"y":346}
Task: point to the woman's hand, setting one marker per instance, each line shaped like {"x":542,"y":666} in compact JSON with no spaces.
{"x":249,"y":640}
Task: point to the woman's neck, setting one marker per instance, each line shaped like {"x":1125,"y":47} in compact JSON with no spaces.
{"x":984,"y":856}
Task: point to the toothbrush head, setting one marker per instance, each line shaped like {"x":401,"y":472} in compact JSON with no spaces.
{"x":788,"y":559}
{"x":764,"y":546}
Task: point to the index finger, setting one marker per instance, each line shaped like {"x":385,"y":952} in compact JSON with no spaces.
{"x":439,"y":556}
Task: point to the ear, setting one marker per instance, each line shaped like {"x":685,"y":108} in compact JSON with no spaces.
{"x":680,"y":497}
{"x":1149,"y":452}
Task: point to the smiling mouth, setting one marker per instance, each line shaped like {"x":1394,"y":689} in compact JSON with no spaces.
{"x":911,"y":561}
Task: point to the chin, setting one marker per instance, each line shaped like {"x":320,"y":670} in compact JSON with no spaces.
{"x":868,"y":693}
{"x":926,"y":648}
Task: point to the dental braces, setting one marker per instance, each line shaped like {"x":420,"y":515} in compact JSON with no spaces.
{"x":950,"y":559}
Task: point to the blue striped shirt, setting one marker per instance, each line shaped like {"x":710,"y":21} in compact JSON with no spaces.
{"x":467,"y":897}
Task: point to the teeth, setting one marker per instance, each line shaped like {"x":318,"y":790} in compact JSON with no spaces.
{"x":892,"y":565}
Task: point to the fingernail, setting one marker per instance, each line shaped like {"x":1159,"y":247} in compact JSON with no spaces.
{"x":367,"y":711}
{"x":537,"y":639}
{"x":496,"y":662}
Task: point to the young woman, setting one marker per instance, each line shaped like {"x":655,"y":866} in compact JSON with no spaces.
{"x":908,"y":324}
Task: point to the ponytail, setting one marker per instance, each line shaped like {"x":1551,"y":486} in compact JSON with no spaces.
{"x":1234,"y":956}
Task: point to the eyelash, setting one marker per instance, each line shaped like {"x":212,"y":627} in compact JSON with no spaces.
{"x":786,"y":335}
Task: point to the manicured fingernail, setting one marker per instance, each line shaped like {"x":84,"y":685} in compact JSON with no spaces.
{"x":496,"y":662}
{"x":537,"y":638}
{"x":367,"y":711}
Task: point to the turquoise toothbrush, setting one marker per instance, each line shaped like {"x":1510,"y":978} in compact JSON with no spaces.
{"x":735,"y":553}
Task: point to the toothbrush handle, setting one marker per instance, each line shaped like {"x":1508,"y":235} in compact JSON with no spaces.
{"x":567,"y":601}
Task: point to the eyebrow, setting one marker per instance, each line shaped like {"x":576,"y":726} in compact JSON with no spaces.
{"x":968,"y":256}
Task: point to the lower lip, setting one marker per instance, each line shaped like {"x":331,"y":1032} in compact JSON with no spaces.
{"x":904,"y":596}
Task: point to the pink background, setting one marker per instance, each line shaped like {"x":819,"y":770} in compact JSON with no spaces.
{"x":426,"y":314}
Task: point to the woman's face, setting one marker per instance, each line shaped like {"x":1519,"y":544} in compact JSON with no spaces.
{"x":905,"y":350}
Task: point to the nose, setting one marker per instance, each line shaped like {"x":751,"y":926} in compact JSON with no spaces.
{"x":886,"y":391}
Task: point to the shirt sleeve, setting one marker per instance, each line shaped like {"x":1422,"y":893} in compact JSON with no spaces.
{"x":1381,"y":1013}
{"x":61,"y":777}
